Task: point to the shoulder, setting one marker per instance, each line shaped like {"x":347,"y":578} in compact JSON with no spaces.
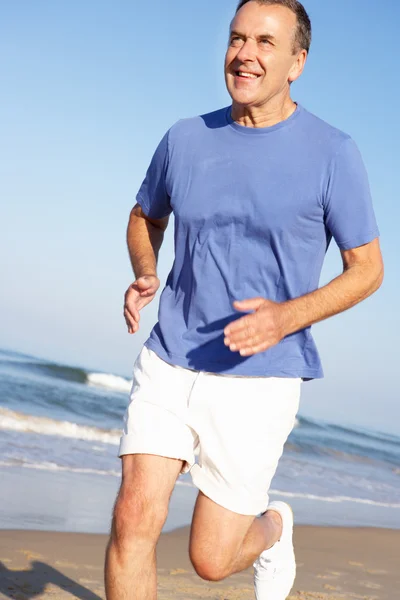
{"x":329,"y":138}
{"x":185,"y":128}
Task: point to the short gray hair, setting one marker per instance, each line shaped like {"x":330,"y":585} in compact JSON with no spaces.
{"x":303,"y":31}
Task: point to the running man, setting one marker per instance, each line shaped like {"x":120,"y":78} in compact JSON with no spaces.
{"x":258,"y":190}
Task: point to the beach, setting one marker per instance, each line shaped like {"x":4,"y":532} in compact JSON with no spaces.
{"x":60,"y":428}
{"x":333,"y":563}
{"x":59,"y":472}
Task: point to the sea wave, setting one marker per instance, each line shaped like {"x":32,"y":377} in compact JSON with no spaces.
{"x":54,"y":467}
{"x":16,"y":421}
{"x":109,"y":381}
{"x":335,"y":499}
{"x":344,"y":442}
{"x":352,"y":430}
{"x":50,"y":466}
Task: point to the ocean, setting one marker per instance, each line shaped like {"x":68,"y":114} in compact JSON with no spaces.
{"x":59,"y":434}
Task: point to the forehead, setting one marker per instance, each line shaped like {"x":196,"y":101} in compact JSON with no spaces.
{"x":257,"y":19}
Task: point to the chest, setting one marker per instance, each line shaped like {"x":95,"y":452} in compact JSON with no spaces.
{"x":255,"y":187}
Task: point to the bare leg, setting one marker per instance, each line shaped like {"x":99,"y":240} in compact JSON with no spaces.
{"x":139,"y":515}
{"x":223,"y":542}
{"x":264,"y":532}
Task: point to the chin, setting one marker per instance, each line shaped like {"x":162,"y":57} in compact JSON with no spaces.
{"x":241,"y":96}
{"x":242,"y":99}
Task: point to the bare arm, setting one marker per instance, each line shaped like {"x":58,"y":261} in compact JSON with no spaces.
{"x":271,"y":322}
{"x":144,"y":238}
{"x":362,"y":276}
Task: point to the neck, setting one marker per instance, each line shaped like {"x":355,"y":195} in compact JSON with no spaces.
{"x":263,"y":116}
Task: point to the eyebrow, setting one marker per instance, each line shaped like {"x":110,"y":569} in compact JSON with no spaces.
{"x":262,"y":36}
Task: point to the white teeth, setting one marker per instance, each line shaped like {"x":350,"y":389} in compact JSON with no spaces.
{"x":250,"y":75}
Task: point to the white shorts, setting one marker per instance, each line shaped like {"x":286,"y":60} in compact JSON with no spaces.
{"x":238,"y":425}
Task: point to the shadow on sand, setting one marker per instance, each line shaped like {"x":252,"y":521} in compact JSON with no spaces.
{"x":29,"y":583}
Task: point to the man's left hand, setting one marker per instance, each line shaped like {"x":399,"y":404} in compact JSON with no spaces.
{"x":258,"y":331}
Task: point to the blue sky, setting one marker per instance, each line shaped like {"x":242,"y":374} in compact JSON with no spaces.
{"x":88,"y":90}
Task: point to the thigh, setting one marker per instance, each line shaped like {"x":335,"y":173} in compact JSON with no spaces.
{"x":148,"y":475}
{"x":143,"y":498}
{"x":217,"y":531}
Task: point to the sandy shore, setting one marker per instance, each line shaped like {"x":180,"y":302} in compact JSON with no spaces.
{"x":333,"y":564}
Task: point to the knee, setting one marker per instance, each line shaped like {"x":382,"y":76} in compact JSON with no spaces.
{"x":209,"y":565}
{"x":137,"y":521}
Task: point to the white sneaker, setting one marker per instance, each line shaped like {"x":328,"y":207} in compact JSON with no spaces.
{"x":275,"y":568}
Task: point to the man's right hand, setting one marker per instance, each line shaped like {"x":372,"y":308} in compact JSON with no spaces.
{"x":140,"y":293}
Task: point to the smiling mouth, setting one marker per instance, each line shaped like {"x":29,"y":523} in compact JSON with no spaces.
{"x":246,"y":75}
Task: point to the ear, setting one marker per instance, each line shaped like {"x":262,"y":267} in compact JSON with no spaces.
{"x":298,"y":66}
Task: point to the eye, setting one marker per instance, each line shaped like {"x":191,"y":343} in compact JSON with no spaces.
{"x":235,"y":40}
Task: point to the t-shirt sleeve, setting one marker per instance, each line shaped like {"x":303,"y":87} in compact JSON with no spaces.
{"x":153,"y":196}
{"x":348,"y":209}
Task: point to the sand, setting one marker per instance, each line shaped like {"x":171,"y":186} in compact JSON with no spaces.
{"x":333,"y":564}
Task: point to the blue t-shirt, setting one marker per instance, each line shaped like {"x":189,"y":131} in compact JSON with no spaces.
{"x":255,"y":210}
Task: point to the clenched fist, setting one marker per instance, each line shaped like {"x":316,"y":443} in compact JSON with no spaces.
{"x":138,"y":295}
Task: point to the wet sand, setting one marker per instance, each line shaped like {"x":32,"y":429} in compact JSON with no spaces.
{"x":333,"y":564}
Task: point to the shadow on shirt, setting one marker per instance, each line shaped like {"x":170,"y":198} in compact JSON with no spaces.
{"x":214,"y":353}
{"x":216,"y":119}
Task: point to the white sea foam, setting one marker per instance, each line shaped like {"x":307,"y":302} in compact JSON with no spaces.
{"x":53,"y":467}
{"x":49,"y":466}
{"x":184,"y":483}
{"x":111,"y":382}
{"x":335,"y":499}
{"x":16,"y":421}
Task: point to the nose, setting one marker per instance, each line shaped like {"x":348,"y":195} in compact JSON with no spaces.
{"x":247,"y":52}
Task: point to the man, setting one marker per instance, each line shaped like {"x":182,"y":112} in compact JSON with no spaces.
{"x":258,"y":190}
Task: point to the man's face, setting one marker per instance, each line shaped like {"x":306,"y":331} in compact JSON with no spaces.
{"x":259,"y":62}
